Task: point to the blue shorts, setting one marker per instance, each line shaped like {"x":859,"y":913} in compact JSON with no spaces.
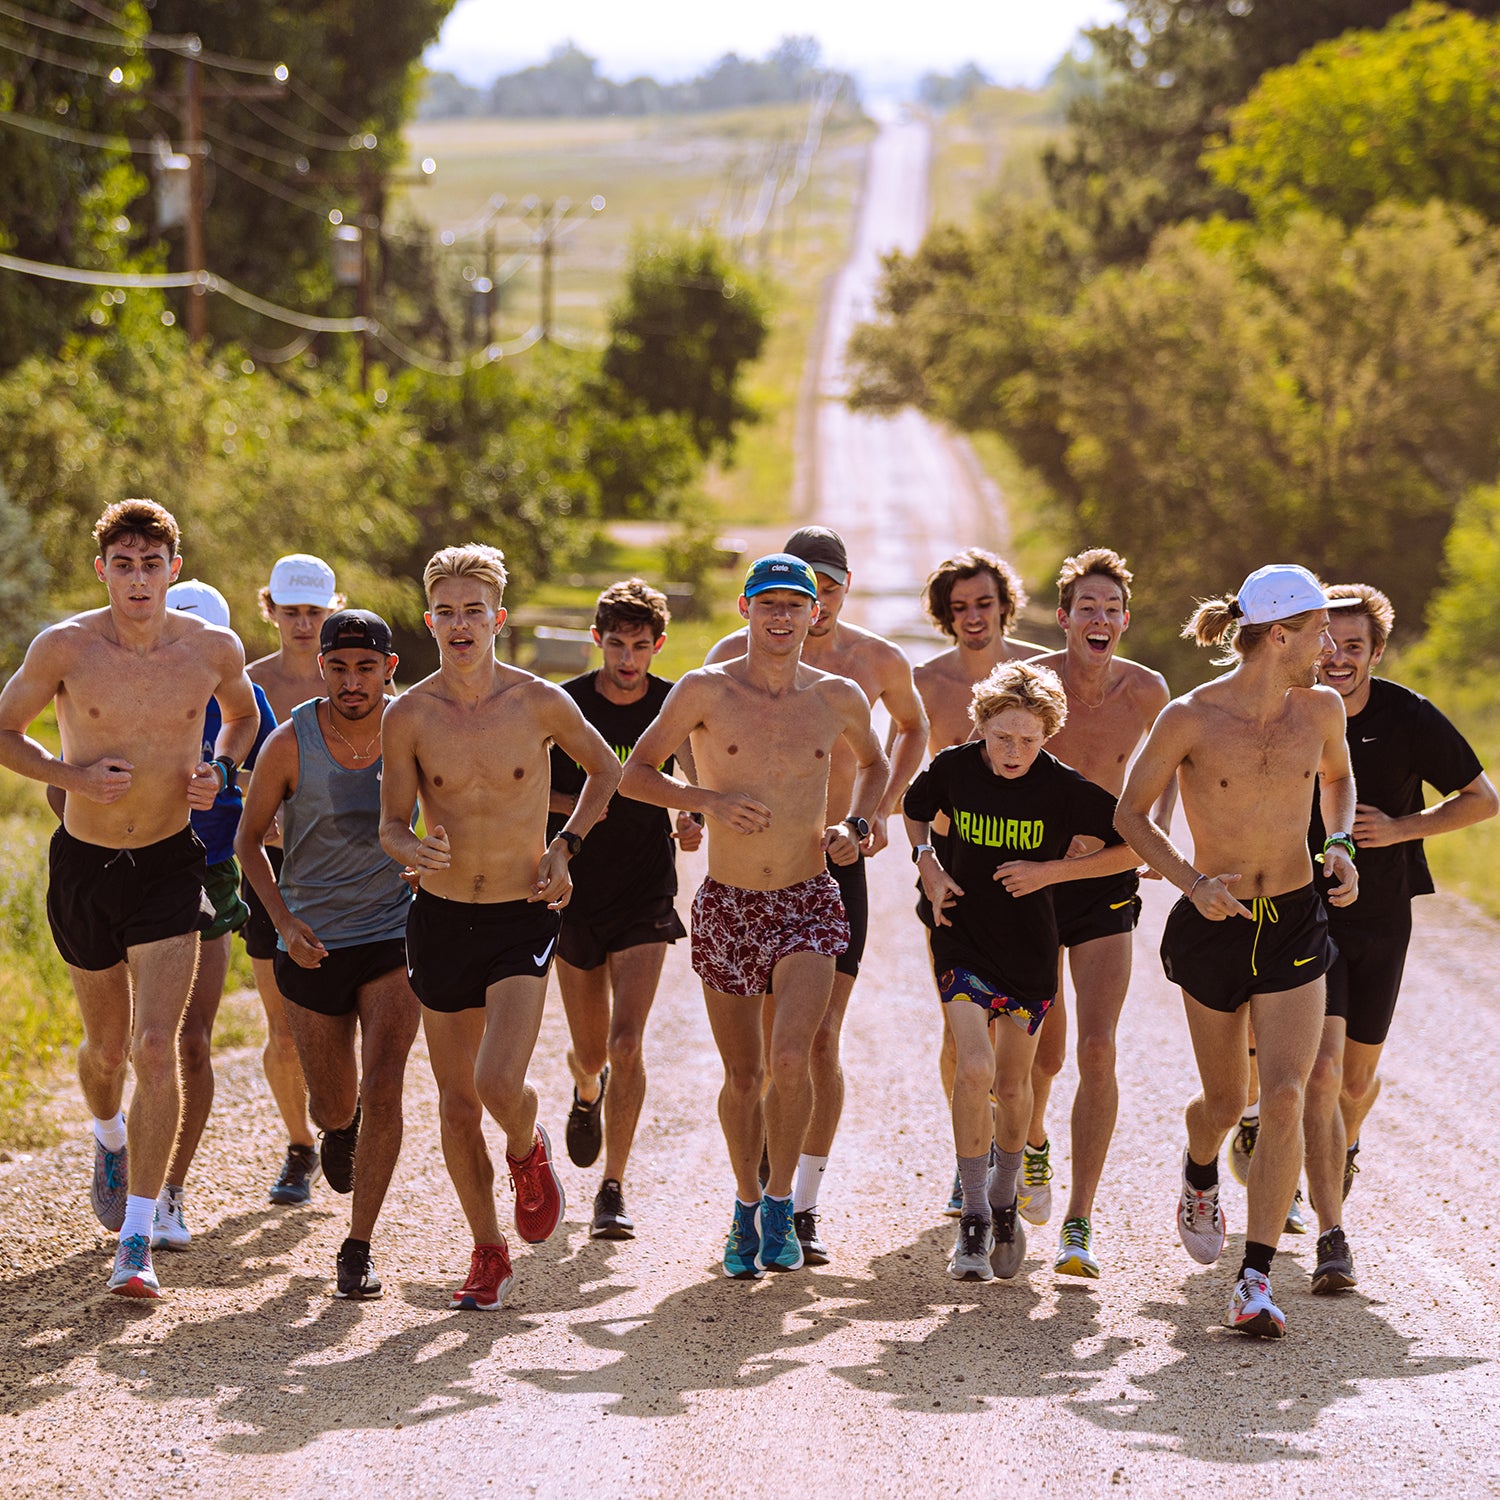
{"x":965,"y":984}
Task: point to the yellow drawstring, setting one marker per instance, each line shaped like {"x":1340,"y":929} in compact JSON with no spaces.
{"x":1263,"y":909}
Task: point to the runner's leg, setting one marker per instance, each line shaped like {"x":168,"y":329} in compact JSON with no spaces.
{"x":282,"y":1067}
{"x":634,"y":974}
{"x":104,"y":1005}
{"x":453,"y":1040}
{"x":735,"y":1021}
{"x":1288,"y":1028}
{"x":586,"y":1003}
{"x":1323,"y":1126}
{"x":973,"y":1078}
{"x":1101,"y":977}
{"x":828,"y":1070}
{"x":1361,"y":1084}
{"x":1051,"y":1053}
{"x":513,"y":1019}
{"x":802,"y":982}
{"x":195,"y":1048}
{"x":1220,"y":1049}
{"x":388,"y":1017}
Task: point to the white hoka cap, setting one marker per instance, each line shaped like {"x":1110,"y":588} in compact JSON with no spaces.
{"x":1281,"y":590}
{"x":301,"y":578}
{"x":202,"y":599}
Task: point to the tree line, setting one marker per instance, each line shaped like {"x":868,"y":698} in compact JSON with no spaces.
{"x":1256,"y":315}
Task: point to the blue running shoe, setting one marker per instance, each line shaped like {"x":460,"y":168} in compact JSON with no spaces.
{"x":108,"y":1190}
{"x":742,"y":1249}
{"x":780,"y":1249}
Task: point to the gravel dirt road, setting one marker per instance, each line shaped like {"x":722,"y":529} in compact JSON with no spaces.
{"x":635,"y":1370}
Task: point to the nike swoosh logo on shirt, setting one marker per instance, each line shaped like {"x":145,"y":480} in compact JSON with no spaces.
{"x":541,"y":958}
{"x":1368,"y":739}
{"x":1116,"y":905}
{"x":1298,"y":962}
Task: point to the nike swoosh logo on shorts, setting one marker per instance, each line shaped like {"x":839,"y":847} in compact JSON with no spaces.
{"x":541,"y":958}
{"x":1116,"y":905}
{"x":1298,"y":962}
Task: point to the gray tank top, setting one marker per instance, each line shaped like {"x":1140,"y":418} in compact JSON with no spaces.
{"x":336,"y":877}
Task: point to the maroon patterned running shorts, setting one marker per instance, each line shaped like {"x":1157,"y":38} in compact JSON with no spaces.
{"x":740,"y":935}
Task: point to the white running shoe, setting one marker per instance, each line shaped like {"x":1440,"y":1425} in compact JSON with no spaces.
{"x":1242,"y":1148}
{"x":1296,"y":1223}
{"x":1200,"y":1222}
{"x":170,"y":1231}
{"x":1251,"y":1309}
{"x":970,"y":1260}
{"x":1075,"y":1254}
{"x":1034,"y":1191}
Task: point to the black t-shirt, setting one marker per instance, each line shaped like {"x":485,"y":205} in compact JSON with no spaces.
{"x":1396,"y":743}
{"x":629,"y":857}
{"x":1010,"y":940}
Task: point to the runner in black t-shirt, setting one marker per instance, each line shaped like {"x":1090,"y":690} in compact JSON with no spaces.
{"x":616,"y":929}
{"x":1397,"y":741}
{"x":1013,"y":810}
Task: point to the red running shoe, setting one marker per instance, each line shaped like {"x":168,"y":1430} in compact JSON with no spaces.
{"x":539,"y":1191}
{"x":490,"y":1278}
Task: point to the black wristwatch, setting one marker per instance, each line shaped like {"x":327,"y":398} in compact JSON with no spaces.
{"x":574,"y":841}
{"x":859,"y":826}
{"x":227,"y":769}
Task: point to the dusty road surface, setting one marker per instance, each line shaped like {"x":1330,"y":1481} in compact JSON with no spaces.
{"x":635,"y":1370}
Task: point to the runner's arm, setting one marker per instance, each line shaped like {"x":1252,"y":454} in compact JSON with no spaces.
{"x":1336,"y":801}
{"x":399,"y":783}
{"x":29,"y":691}
{"x":576,"y":737}
{"x":238,"y":708}
{"x":1470,"y":804}
{"x":872,"y":771}
{"x":680,"y":715}
{"x":906,"y":743}
{"x":1023,"y":876}
{"x":274,"y":781}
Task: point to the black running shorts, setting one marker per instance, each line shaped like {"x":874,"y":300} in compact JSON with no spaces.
{"x":223,"y":886}
{"x":586,"y":944}
{"x":1284,"y":944}
{"x":332,"y":989}
{"x":1366,"y":977}
{"x":855,"y":890}
{"x":102,"y":902}
{"x":456,"y":950}
{"x":259,"y":931}
{"x":1089,"y":909}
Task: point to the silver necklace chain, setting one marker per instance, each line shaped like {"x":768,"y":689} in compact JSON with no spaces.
{"x":354,"y":750}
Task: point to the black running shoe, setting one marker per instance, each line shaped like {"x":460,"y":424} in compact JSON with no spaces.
{"x":611,"y":1222}
{"x":1335,"y":1268}
{"x":299,"y":1171}
{"x":337,"y":1154}
{"x":585,"y":1132}
{"x":356,"y":1274}
{"x":814,"y":1251}
{"x":1351,"y":1168}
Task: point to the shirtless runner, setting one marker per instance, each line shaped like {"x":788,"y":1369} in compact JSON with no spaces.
{"x":125,"y":898}
{"x":1245,"y":749}
{"x":769,"y":917}
{"x":973,"y":598}
{"x":883,"y":674}
{"x":1112,"y":703}
{"x":471,"y":743}
{"x":297,"y":600}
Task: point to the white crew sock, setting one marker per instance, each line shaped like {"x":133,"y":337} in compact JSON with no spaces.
{"x":140,"y":1216}
{"x":1251,"y":1111}
{"x":111,"y":1133}
{"x":810,"y":1170}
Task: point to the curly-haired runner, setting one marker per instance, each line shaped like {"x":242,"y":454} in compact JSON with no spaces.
{"x":1012,"y":812}
{"x":1245,"y":749}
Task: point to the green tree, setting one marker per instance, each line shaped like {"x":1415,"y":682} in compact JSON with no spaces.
{"x":1463,"y":629}
{"x":1408,"y":113}
{"x":1175,"y":67}
{"x":64,"y":199}
{"x":688,"y":322}
{"x":1325,"y":395}
{"x":23,"y":584}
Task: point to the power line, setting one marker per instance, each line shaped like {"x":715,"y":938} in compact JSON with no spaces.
{"x":77,"y":137}
{"x":105,"y":14}
{"x":38,"y":53}
{"x":316,"y":140}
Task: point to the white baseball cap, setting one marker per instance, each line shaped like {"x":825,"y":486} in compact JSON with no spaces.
{"x":301,"y":578}
{"x":1280,"y":590}
{"x":193,"y":597}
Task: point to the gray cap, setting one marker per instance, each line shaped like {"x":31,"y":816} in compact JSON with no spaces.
{"x":823,"y":551}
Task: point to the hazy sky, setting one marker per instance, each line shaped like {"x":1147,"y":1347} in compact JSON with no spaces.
{"x":1014,"y":41}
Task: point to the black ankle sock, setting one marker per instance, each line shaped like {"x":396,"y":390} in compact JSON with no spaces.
{"x":1257,"y":1257}
{"x":1202,"y":1178}
{"x":363,"y":1246}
